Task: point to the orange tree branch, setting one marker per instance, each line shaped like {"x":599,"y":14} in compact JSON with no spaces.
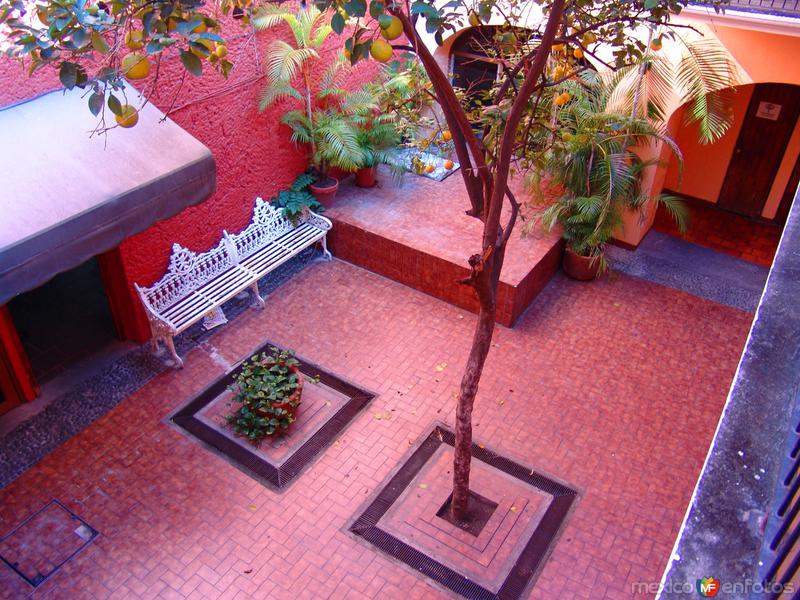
{"x":526,"y":90}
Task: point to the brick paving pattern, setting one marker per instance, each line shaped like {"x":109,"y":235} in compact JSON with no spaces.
{"x":726,"y":232}
{"x":614,"y":387}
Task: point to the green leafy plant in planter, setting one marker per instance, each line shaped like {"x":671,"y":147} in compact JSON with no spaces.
{"x":378,"y":139}
{"x":593,"y":165}
{"x":268,"y":391}
{"x":298,"y":200}
{"x":323,"y":118}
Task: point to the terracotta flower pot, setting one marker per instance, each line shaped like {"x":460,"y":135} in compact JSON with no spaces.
{"x":325,"y":191}
{"x":582,"y":268}
{"x":365,"y":177}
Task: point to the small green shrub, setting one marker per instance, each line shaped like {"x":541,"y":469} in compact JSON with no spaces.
{"x":268,"y":390}
{"x":298,"y":199}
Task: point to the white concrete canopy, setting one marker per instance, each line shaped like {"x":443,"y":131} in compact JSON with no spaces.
{"x":67,"y":195}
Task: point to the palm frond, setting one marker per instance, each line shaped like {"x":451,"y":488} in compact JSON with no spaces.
{"x":676,"y":209}
{"x":284,"y":60}
{"x":276,"y":92}
{"x":706,"y":69}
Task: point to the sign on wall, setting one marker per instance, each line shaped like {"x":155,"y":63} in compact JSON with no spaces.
{"x":768,"y":110}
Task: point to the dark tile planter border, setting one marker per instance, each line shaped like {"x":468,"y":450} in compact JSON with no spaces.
{"x":273,"y":476}
{"x":528,"y":562}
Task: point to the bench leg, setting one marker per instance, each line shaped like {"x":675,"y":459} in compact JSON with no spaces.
{"x":325,"y":252}
{"x":171,"y":347}
{"x":258,"y":301}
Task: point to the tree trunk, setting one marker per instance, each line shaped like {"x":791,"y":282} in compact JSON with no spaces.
{"x":481,"y":342}
{"x":486,"y":288}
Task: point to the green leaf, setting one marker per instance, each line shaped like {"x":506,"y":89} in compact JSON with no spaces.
{"x":68,"y":74}
{"x":375,"y":9}
{"x":79,"y":38}
{"x":99,"y":43}
{"x":356,"y":8}
{"x":337,"y":23}
{"x":114,"y":105}
{"x":420,"y":7}
{"x":384,"y":21}
{"x":650,"y":4}
{"x":191,"y":63}
{"x":147,"y":23}
{"x":96,"y":103}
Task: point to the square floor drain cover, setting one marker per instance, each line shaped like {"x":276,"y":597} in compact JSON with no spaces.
{"x":44,"y":542}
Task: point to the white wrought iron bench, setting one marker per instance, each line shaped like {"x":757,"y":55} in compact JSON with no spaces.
{"x":196,"y":285}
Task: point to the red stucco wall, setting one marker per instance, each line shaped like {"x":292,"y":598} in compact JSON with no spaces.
{"x":253,"y":153}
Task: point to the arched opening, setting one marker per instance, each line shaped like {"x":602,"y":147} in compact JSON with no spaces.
{"x":474,"y":61}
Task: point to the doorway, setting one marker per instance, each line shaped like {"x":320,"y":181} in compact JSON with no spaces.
{"x":766,"y":130}
{"x":64,"y":321}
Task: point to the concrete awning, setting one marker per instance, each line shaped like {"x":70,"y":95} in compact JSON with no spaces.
{"x":66,"y":196}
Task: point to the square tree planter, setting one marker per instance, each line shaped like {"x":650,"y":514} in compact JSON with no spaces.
{"x":326,"y":409}
{"x":518,"y":514}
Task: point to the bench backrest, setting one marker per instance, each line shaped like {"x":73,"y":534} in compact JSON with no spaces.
{"x":187,"y":272}
{"x":268,"y":224}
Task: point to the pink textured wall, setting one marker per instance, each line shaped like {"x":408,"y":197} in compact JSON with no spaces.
{"x":253,"y":152}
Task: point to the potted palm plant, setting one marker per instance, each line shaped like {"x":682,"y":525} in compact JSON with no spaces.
{"x":596,"y":173}
{"x":602,"y":120}
{"x":323,"y":118}
{"x":378,"y":139}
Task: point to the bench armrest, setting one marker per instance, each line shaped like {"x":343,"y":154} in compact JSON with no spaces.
{"x":318,"y":220}
{"x":157,"y":322}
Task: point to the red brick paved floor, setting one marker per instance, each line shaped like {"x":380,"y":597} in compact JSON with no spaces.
{"x":614,"y":387}
{"x":725,"y":232}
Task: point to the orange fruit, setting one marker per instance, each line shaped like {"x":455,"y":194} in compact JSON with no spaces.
{"x":577,"y":53}
{"x":135,"y":66}
{"x":134,"y":39}
{"x":129,"y":116}
{"x":447,"y":136}
{"x":448,"y":164}
{"x":429,"y":168}
{"x":562,"y":99}
{"x":221,"y":51}
{"x":394,"y":30}
{"x":381,"y":51}
{"x":656,"y":44}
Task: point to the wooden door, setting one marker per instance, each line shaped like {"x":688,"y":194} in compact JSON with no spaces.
{"x":767,"y":128}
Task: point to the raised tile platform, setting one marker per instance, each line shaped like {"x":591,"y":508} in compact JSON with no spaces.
{"x":415,"y":231}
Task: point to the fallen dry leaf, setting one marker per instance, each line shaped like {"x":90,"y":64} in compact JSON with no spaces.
{"x":441,"y":366}
{"x":252,"y":508}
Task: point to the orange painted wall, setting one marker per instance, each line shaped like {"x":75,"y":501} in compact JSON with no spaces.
{"x":705,"y":166}
{"x":767,"y":57}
